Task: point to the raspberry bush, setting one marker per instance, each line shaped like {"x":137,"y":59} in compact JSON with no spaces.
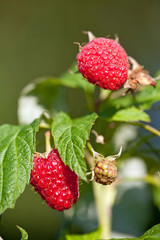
{"x":81,"y":142}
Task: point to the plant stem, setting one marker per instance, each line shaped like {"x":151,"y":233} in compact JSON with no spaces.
{"x":47,"y":140}
{"x":147,"y":127}
{"x":46,"y":126}
{"x":89,"y":147}
{"x":104,"y":198}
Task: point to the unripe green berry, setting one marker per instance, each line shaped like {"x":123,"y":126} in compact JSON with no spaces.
{"x":105,"y":172}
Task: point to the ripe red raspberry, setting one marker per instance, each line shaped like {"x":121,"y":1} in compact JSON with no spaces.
{"x":104,"y":63}
{"x":105,"y":172}
{"x":54,"y":181}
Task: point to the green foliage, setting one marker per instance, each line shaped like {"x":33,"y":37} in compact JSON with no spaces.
{"x":152,"y":234}
{"x":143,"y":99}
{"x":72,"y":78}
{"x":121,"y":239}
{"x":23,"y":233}
{"x":88,"y":236}
{"x":70,"y":137}
{"x":17,"y":145}
{"x":156,"y":195}
{"x":131,"y":114}
{"x":48,"y":93}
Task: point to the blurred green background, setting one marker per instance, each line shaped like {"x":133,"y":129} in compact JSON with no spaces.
{"x":36,"y":39}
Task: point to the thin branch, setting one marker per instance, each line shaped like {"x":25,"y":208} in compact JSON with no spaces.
{"x":147,"y":127}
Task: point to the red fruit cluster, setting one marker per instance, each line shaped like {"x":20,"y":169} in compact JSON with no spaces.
{"x":104,"y":63}
{"x":54,"y":181}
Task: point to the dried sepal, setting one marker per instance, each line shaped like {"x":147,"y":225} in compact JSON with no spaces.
{"x":137,"y":76}
{"x":90,"y":35}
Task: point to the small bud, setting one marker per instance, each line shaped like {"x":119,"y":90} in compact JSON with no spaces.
{"x":99,"y":138}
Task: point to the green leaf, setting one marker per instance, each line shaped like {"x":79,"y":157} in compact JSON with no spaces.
{"x":50,"y":84}
{"x":17,"y":145}
{"x":75,"y":80}
{"x":152,"y":234}
{"x":70,"y":137}
{"x":156,"y":196}
{"x":121,"y":239}
{"x":130,"y":115}
{"x":148,"y":96}
{"x":23,"y":233}
{"x":143,"y":99}
{"x":88,"y":236}
{"x":48,"y":93}
{"x":46,"y":89}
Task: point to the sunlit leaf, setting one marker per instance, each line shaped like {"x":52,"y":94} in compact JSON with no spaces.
{"x":152,"y":234}
{"x":75,"y":80}
{"x":130,"y":114}
{"x":70,"y":137}
{"x":143,"y":99}
{"x":88,"y":236}
{"x":17,"y":145}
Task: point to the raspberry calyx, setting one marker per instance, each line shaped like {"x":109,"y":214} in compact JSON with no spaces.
{"x":56,"y":183}
{"x":137,"y":76}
